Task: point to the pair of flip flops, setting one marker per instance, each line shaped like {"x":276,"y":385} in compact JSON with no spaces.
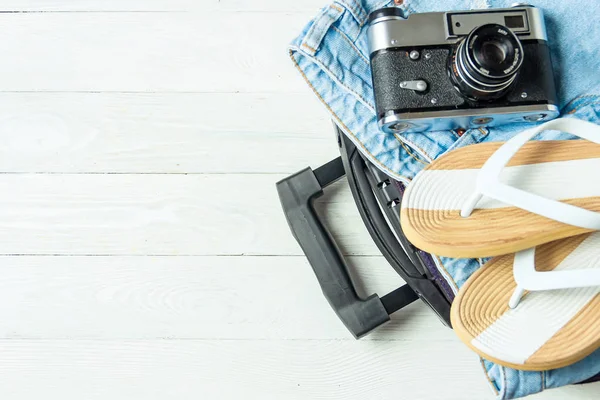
{"x":535,"y":206}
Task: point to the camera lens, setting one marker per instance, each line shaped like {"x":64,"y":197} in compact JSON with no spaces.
{"x":485,"y":64}
{"x":493,"y":52}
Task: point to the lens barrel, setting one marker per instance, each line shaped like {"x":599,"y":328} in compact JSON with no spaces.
{"x":485,"y":64}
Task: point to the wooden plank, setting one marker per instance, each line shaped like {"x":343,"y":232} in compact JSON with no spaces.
{"x":163,"y":133}
{"x":221,"y":369}
{"x":189,"y":298}
{"x":150,"y":52}
{"x":112,"y":214}
{"x":264,"y":6}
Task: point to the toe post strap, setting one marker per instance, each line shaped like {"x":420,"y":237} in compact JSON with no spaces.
{"x":527,"y":278}
{"x":488,"y":179}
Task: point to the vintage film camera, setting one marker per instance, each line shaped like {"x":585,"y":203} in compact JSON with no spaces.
{"x":460,"y":70}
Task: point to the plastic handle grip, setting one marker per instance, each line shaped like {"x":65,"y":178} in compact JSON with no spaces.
{"x":297,"y":193}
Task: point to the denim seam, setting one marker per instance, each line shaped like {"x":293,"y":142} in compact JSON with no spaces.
{"x":360,"y":13}
{"x":332,"y":75}
{"x":346,"y":129}
{"x":357,"y":12}
{"x":484,"y":133}
{"x":319,"y":24}
{"x":382,"y":4}
{"x":587,"y":96}
{"x":309,"y":47}
{"x":575,"y":109}
{"x":336,"y":7}
{"x":472,"y":134}
{"x":410,"y":153}
{"x":346,"y":38}
{"x":312,"y":29}
{"x":492,"y":384}
{"x":450,"y":278}
{"x":428,"y":157}
{"x":418,"y":150}
{"x":503,"y":372}
{"x":543,"y":377}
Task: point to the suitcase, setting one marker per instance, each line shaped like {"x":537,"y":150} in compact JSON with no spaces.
{"x":378,"y":198}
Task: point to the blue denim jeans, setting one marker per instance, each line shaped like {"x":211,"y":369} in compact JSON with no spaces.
{"x":332,"y":55}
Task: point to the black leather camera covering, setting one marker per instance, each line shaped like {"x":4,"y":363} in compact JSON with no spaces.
{"x":392,"y":66}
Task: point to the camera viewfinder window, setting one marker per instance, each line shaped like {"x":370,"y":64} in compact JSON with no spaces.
{"x":514,"y":21}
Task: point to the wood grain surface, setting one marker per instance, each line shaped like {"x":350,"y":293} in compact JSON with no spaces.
{"x":143,"y":251}
{"x":150,"y":52}
{"x":162,"y":132}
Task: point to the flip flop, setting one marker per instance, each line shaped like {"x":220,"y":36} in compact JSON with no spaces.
{"x":533,"y":311}
{"x":458,"y":206}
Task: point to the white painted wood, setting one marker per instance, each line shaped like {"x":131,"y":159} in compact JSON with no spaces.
{"x":160,"y":215}
{"x":225,"y":369}
{"x":150,"y":134}
{"x":263,"y":6}
{"x":150,"y":52}
{"x":234,"y":298}
{"x":165,"y":133}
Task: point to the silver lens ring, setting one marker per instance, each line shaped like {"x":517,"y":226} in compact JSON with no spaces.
{"x":466,"y":71}
{"x":472,"y":64}
{"x":512,"y":39}
{"x":487,"y":85}
{"x":462,"y":71}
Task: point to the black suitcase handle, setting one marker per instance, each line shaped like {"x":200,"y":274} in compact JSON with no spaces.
{"x":297,"y":193}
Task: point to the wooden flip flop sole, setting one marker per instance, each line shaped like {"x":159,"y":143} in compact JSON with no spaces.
{"x":560,"y":170}
{"x":548,"y":329}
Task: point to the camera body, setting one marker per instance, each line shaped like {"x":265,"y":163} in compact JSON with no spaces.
{"x":460,"y":70}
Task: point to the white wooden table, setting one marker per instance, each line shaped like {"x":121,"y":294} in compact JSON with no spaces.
{"x":144,"y":254}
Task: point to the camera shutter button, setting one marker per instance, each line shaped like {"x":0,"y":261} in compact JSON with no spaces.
{"x":419,"y":86}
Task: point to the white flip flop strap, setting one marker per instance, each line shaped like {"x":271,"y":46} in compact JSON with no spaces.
{"x":527,"y":278}
{"x":488,"y":179}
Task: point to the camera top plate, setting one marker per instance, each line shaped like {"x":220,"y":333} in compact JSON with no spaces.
{"x":389,"y":30}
